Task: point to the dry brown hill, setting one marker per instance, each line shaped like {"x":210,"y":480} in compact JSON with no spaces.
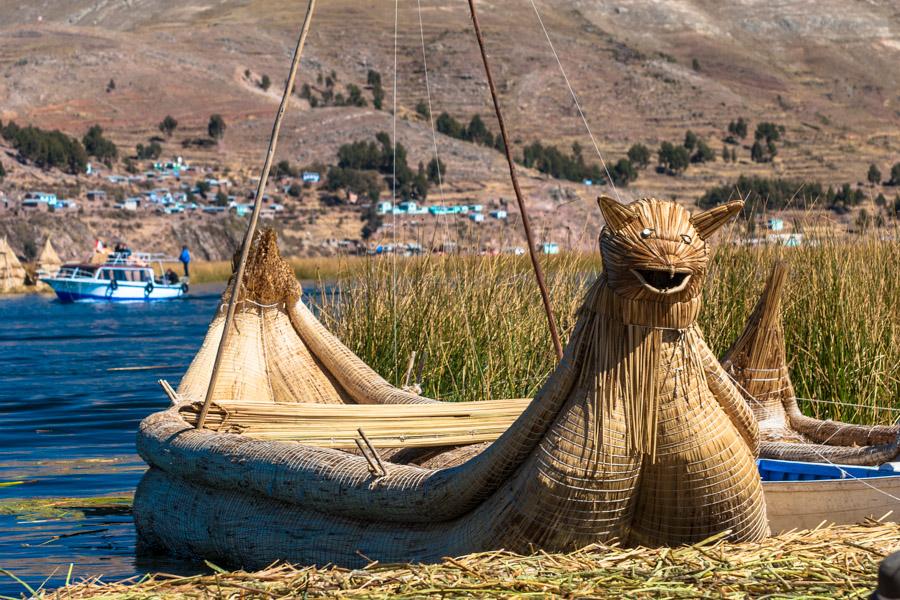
{"x":827,"y":70}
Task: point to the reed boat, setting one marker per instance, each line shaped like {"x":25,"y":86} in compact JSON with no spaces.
{"x":305,"y":454}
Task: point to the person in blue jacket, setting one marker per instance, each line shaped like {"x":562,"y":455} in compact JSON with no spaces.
{"x":185,"y":259}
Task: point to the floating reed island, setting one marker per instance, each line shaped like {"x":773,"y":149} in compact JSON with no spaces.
{"x":830,"y":562}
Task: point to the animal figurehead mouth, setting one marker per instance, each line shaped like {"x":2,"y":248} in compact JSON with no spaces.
{"x":663,"y":281}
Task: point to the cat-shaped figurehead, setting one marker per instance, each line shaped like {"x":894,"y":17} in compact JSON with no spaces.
{"x":655,"y":257}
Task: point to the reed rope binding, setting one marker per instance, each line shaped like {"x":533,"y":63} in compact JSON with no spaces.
{"x":526,"y":224}
{"x":257,"y":204}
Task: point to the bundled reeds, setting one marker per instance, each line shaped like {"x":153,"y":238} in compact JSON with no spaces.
{"x":387,"y":426}
{"x":831,"y":562}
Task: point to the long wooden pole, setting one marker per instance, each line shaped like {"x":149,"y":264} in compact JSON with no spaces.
{"x":538,"y":273}
{"x":254,"y":217}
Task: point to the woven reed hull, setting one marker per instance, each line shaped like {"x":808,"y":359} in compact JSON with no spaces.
{"x":252,"y":531}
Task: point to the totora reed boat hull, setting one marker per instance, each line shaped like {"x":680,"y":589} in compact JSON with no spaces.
{"x":252,"y":530}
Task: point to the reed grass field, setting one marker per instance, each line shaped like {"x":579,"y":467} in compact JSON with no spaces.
{"x":480,"y":323}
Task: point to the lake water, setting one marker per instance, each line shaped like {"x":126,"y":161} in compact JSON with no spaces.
{"x":67,"y":425}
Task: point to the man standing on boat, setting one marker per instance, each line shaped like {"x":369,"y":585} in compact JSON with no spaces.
{"x":185,"y":259}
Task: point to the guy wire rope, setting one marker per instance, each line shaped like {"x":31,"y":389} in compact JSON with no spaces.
{"x":394,"y":197}
{"x":538,"y":273}
{"x":254,"y":217}
{"x":575,"y":100}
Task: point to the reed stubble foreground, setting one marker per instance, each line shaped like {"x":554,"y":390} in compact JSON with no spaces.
{"x":637,"y":435}
{"x":830,"y":562}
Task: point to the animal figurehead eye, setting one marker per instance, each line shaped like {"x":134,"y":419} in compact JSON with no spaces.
{"x":646,"y":233}
{"x":686,"y":238}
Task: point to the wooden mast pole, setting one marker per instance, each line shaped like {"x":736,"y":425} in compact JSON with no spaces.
{"x":254,"y":217}
{"x":526,"y":224}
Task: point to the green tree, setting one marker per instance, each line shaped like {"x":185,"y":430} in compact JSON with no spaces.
{"x":422,"y":109}
{"x":695,"y":64}
{"x":639,"y":155}
{"x":436,"y":170}
{"x":880,"y":201}
{"x":477,"y":132}
{"x":770,"y":132}
{"x":265,"y":83}
{"x":216,"y":126}
{"x":151,"y":151}
{"x":221,"y":198}
{"x":726,"y":155}
{"x":284,"y":169}
{"x":168,"y":125}
{"x":354,"y":96}
{"x":690,"y":140}
{"x":623,"y":172}
{"x":97,"y":145}
{"x":449,"y":126}
{"x":2,"y":172}
{"x":305,"y":91}
{"x":704,"y":153}
{"x":895,"y":174}
{"x":673,"y":159}
{"x":874,"y":175}
{"x":738,"y":128}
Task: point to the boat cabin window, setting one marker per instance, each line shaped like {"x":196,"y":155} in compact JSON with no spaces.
{"x":141,"y":275}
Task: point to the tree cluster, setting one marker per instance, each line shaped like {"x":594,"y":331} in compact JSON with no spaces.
{"x":326,"y":93}
{"x":151,"y":151}
{"x":357,"y":160}
{"x":736,"y":130}
{"x":476,"y":131}
{"x":558,"y":164}
{"x":46,"y":149}
{"x":764,"y":148}
{"x":874,"y":175}
{"x":98,"y":146}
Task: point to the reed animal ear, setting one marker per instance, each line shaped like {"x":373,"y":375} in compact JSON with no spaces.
{"x":709,"y":221}
{"x":615,"y":214}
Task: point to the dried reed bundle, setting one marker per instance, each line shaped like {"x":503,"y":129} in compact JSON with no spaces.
{"x":12,"y":273}
{"x":388,"y":426}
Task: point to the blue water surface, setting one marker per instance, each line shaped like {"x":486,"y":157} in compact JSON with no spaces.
{"x":67,"y":425}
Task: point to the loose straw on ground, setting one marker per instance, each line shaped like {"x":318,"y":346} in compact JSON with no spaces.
{"x":830,"y":562}
{"x":257,"y":203}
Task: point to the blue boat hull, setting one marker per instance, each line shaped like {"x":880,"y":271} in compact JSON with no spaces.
{"x":93,"y":290}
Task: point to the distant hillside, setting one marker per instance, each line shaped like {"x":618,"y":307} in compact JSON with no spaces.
{"x":644,"y":72}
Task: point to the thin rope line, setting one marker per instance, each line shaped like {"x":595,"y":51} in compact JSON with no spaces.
{"x":394,"y":193}
{"x":853,"y":404}
{"x":575,"y":99}
{"x":430,"y":111}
